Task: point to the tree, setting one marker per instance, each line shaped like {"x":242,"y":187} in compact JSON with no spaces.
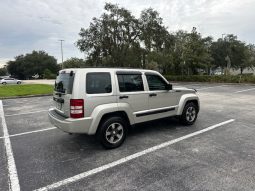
{"x":231,"y":52}
{"x":3,"y":71}
{"x":25,"y":66}
{"x":195,"y":52}
{"x":74,"y":63}
{"x":109,"y":38}
{"x":154,"y":36}
{"x":118,"y":39}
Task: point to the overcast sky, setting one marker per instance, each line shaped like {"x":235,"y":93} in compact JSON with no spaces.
{"x":27,"y":25}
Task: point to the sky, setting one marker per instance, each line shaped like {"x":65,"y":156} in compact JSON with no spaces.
{"x":27,"y":25}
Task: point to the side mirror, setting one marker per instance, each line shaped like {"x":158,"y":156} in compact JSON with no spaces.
{"x":169,"y":87}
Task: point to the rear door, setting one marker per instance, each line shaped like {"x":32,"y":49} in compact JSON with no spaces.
{"x":63,"y":92}
{"x":132,"y":93}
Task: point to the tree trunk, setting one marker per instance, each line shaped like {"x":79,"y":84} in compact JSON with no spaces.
{"x":143,"y":60}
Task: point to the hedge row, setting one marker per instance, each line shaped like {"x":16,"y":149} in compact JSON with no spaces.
{"x":213,"y":79}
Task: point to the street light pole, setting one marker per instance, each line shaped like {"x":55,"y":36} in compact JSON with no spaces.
{"x":61,"y":41}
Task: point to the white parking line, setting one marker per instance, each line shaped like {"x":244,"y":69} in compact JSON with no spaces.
{"x":128,"y":158}
{"x":211,"y":87}
{"x":12,"y":170}
{"x":8,"y":115}
{"x":29,"y":132}
{"x":244,"y":90}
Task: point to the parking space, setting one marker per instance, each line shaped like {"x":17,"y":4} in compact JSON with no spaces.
{"x":220,"y":159}
{"x":214,"y":161}
{"x":3,"y":169}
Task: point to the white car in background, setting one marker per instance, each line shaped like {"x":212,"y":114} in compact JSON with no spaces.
{"x":5,"y":81}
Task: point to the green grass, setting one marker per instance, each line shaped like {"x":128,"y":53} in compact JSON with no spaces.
{"x":24,"y":90}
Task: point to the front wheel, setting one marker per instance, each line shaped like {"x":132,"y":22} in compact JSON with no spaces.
{"x":18,"y":82}
{"x":189,"y":114}
{"x":4,"y":83}
{"x":112,"y":132}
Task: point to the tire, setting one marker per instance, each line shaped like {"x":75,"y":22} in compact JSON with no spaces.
{"x":189,"y":114}
{"x":4,"y":83}
{"x":112,"y":132}
{"x":18,"y":82}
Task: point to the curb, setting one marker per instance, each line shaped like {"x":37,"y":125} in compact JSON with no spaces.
{"x":28,"y":96}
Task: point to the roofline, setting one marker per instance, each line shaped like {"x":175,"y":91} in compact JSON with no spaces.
{"x":109,"y":68}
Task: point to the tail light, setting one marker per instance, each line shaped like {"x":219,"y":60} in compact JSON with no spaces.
{"x":76,"y":108}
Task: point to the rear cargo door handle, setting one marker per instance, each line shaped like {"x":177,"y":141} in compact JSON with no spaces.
{"x":152,"y":95}
{"x":123,"y":97}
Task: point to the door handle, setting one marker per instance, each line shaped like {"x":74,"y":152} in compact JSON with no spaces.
{"x":123,"y":97}
{"x":152,"y":95}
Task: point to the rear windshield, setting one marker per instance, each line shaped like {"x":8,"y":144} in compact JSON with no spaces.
{"x":64,"y":83}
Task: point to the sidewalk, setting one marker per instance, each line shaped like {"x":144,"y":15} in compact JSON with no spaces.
{"x":49,"y":82}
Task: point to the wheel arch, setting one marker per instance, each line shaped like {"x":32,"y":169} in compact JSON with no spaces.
{"x":122,"y":114}
{"x":188,"y":98}
{"x":102,"y":112}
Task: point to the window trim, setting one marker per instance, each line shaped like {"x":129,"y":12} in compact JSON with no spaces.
{"x":107,"y":93}
{"x":122,"y":72}
{"x":153,"y":74}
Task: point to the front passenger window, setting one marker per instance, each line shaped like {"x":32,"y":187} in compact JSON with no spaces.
{"x":155,"y":82}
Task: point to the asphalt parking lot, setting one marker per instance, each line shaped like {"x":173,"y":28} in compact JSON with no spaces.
{"x":218,"y":158}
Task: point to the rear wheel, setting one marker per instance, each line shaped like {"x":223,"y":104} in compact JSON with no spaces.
{"x":18,"y":82}
{"x":112,"y":132}
{"x":4,"y":83}
{"x":189,"y":114}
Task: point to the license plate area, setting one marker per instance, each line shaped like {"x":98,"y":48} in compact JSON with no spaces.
{"x":58,"y":105}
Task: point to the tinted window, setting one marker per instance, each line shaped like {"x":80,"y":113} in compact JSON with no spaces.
{"x":98,"y":83}
{"x":130,"y":82}
{"x":64,"y":83}
{"x":155,"y":82}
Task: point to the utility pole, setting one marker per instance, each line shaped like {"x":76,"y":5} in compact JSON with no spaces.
{"x":227,"y":58}
{"x":61,"y":41}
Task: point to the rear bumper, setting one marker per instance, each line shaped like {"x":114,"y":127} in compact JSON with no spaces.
{"x":69,"y":125}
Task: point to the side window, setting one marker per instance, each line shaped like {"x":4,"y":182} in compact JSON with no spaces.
{"x":155,"y":82}
{"x":130,"y":82}
{"x":98,"y":83}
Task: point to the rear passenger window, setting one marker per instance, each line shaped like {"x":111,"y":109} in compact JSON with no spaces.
{"x":98,"y":83}
{"x":130,"y":82}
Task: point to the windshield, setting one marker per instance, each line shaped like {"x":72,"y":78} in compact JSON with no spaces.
{"x":64,"y":83}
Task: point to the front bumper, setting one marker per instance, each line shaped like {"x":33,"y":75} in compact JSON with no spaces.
{"x":69,"y":125}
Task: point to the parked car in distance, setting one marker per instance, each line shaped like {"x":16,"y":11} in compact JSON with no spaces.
{"x":5,"y":81}
{"x":106,"y":102}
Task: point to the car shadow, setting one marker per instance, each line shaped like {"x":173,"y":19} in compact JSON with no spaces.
{"x":156,"y":128}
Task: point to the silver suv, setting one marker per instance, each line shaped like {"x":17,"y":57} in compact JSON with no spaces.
{"x":105,"y":102}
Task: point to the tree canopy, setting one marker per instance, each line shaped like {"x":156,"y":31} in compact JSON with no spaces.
{"x":3,"y":71}
{"x":25,"y":66}
{"x":74,"y":63}
{"x":117,"y":38}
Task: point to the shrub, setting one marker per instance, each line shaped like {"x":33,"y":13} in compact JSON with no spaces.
{"x":213,"y":79}
{"x":47,"y":74}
